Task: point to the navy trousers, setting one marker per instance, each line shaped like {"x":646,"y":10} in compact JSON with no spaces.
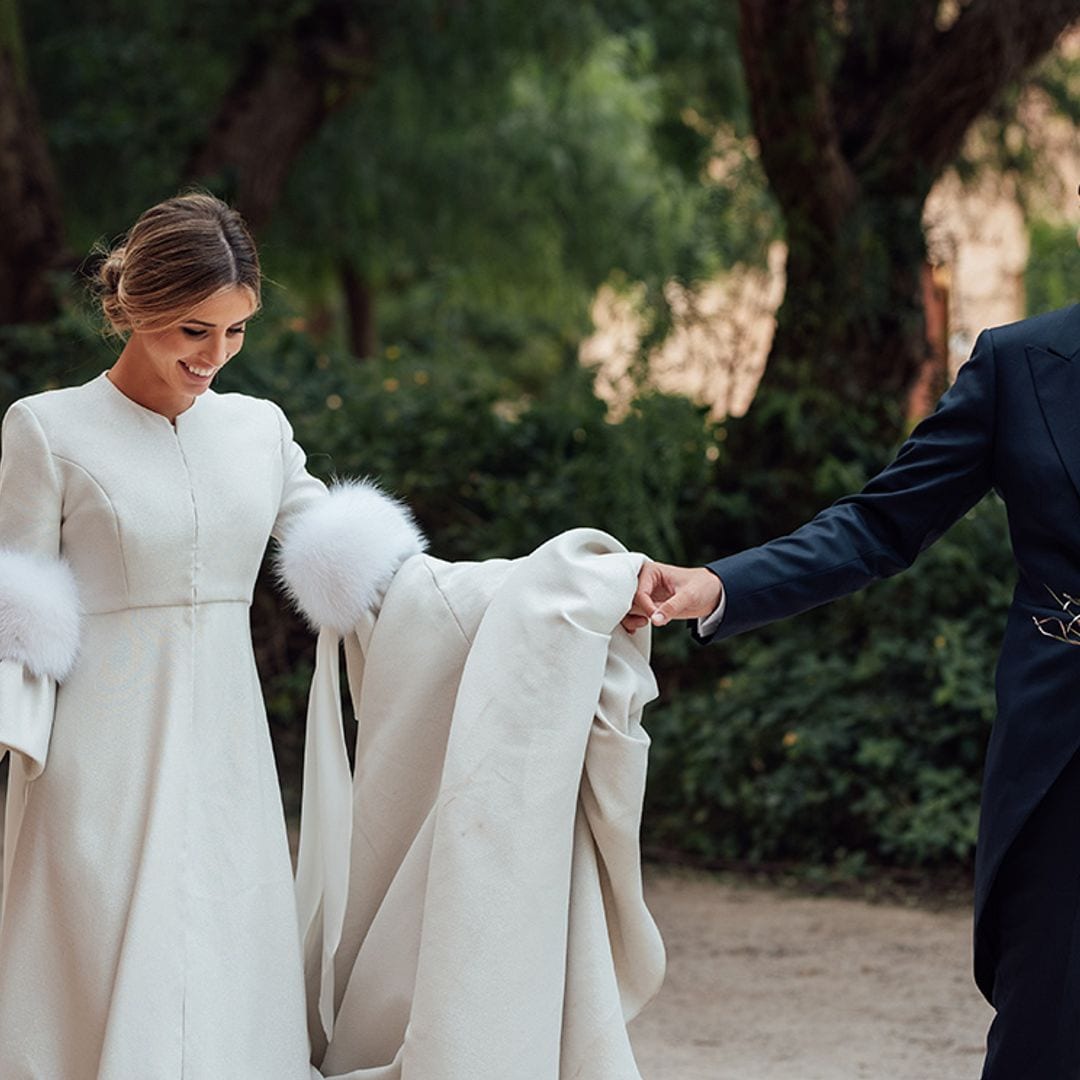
{"x":1032,"y":929}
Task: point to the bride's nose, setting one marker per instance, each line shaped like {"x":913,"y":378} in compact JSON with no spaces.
{"x":216,"y":351}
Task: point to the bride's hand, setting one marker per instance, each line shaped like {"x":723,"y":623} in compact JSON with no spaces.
{"x":672,"y":592}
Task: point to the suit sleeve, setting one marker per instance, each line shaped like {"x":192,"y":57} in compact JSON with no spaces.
{"x":941,"y":471}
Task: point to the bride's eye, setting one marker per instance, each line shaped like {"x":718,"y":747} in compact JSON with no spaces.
{"x":192,"y":331}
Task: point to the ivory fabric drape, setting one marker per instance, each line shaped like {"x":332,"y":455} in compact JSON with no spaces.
{"x":471,"y":903}
{"x":471,"y":898}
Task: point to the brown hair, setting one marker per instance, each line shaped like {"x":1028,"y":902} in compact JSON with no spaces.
{"x":178,"y":254}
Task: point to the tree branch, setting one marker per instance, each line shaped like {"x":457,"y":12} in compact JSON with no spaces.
{"x":886,"y":45}
{"x":792,"y":111}
{"x":279,"y":102}
{"x":991,"y":43}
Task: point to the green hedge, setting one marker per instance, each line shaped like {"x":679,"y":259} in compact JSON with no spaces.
{"x":1050,"y":277}
{"x":853,"y":733}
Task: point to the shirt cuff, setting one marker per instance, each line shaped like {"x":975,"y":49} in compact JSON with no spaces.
{"x":708,"y":626}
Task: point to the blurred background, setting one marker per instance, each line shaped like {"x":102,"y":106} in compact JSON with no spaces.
{"x":684,"y":270}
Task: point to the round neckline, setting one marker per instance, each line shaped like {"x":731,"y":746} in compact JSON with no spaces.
{"x":104,"y":376}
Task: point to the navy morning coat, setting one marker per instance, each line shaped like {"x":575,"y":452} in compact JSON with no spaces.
{"x":1010,"y":422}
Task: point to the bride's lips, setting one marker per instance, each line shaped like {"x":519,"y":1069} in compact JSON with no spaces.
{"x":194,"y":376}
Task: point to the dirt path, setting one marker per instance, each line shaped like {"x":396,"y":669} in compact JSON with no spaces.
{"x":764,"y":985}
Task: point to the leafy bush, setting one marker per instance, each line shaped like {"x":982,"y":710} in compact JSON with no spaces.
{"x":491,"y":470}
{"x":65,"y":352}
{"x":1050,"y":276}
{"x":853,"y":732}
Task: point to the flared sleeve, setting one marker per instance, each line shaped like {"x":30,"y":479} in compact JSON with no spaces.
{"x":39,"y":604}
{"x":39,"y":608}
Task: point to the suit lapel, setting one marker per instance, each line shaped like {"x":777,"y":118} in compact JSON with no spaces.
{"x":1055,"y":369}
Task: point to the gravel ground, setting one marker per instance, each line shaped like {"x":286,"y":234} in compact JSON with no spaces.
{"x":766,"y":985}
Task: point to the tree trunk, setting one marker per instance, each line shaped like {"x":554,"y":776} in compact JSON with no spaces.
{"x":850,"y":335}
{"x":280,"y":100}
{"x":31,"y":240}
{"x":857,"y":110}
{"x":360,"y":312}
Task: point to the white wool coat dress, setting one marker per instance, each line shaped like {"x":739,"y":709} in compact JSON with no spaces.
{"x":148,"y":927}
{"x":471,"y":900}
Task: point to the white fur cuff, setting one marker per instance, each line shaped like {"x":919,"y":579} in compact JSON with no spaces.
{"x":40,"y":613}
{"x":338,"y":555}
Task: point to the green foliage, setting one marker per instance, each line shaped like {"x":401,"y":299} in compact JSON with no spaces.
{"x":1010,"y":143}
{"x":1050,"y":279}
{"x":492,"y":165}
{"x":496,"y":164}
{"x":11,"y":37}
{"x":65,"y":352}
{"x":888,"y":694}
{"x":490,"y":470}
{"x":126,"y":89}
{"x":458,"y":198}
{"x":853,"y":732}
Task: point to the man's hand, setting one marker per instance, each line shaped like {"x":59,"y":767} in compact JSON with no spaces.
{"x":672,"y":592}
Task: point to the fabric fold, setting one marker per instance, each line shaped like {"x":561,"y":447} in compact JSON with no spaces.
{"x":26,"y":718}
{"x":322,"y":867}
{"x":487,"y":919}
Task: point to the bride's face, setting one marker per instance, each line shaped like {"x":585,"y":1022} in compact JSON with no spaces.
{"x":186,"y":357}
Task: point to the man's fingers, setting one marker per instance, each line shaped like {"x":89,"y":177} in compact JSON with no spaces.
{"x":663,"y":593}
{"x":691,"y":593}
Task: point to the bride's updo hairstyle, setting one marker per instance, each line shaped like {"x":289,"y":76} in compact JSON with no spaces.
{"x":178,"y":254}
